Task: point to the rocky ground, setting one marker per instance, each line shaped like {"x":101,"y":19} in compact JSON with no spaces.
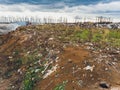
{"x":40,"y":58}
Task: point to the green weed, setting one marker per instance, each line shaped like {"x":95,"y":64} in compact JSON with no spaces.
{"x":60,"y":86}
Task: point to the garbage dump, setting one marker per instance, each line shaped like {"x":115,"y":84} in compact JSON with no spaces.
{"x":60,"y":57}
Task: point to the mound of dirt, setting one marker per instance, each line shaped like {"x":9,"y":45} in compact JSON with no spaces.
{"x":61,"y":61}
{"x":78,"y":67}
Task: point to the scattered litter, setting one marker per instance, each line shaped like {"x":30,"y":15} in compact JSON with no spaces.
{"x":89,"y":67}
{"x":10,"y":57}
{"x":106,"y":69}
{"x":49,"y":72}
{"x":20,"y":71}
{"x":51,"y":39}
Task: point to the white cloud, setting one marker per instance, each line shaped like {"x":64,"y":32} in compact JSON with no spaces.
{"x":111,"y":9}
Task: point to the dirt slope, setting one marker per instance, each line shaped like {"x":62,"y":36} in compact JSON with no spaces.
{"x":78,"y":68}
{"x":66,"y":63}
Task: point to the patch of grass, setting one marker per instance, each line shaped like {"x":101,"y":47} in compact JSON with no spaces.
{"x":113,"y":37}
{"x":82,"y":35}
{"x":114,"y":42}
{"x":114,"y":34}
{"x":96,"y":37}
{"x":76,"y":33}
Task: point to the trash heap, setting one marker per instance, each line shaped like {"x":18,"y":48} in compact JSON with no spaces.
{"x":57,"y":57}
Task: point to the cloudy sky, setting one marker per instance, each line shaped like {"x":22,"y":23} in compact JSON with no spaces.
{"x":61,"y":8}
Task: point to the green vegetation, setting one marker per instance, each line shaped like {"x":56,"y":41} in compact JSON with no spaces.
{"x":75,"y":33}
{"x":82,"y":35}
{"x":97,"y":36}
{"x":60,"y":86}
{"x":31,"y":77}
{"x":33,"y":73}
{"x":114,"y":34}
{"x":33,"y":69}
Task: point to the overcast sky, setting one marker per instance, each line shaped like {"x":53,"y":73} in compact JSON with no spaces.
{"x":57,"y":8}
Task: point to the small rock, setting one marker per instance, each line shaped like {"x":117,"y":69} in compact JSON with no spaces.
{"x":106,"y":69}
{"x":13,"y":86}
{"x":62,"y":67}
{"x":69,"y":61}
{"x":104,"y":85}
{"x":50,"y":39}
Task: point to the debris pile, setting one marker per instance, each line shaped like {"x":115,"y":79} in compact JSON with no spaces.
{"x":41,"y":58}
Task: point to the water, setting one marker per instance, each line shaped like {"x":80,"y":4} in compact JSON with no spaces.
{"x":5,"y":28}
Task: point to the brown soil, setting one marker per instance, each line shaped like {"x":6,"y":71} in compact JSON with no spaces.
{"x":70,"y":60}
{"x":79,"y":67}
{"x":71,"y":66}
